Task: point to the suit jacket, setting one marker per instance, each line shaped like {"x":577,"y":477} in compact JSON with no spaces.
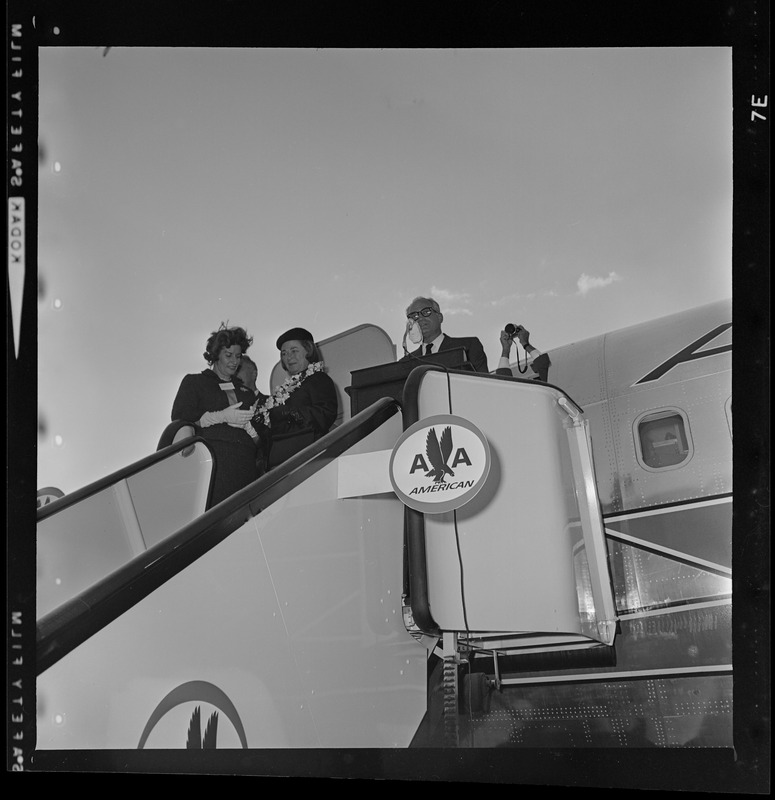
{"x":473,"y":346}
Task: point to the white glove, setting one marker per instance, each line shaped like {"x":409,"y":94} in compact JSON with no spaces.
{"x":252,"y":431}
{"x":232,"y":415}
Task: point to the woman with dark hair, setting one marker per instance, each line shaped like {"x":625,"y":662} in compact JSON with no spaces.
{"x":304,"y":406}
{"x":220,"y":406}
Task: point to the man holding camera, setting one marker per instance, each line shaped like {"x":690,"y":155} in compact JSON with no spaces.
{"x":538,"y":362}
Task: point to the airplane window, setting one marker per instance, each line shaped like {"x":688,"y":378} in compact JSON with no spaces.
{"x":662,"y":439}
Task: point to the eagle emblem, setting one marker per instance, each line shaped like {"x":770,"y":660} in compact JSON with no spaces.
{"x":438,"y":453}
{"x":195,"y":740}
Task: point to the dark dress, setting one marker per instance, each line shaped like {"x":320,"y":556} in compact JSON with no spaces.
{"x":234,"y":449}
{"x":307,"y":414}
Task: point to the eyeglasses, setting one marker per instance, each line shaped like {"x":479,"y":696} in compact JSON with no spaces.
{"x":423,"y":312}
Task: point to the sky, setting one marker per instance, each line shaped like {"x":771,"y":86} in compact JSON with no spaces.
{"x":573,"y":191}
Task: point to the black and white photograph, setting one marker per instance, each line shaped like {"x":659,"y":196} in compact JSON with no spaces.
{"x":372,"y":369}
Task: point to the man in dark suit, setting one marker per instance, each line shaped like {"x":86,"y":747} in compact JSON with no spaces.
{"x":248,"y":374}
{"x":425,"y":312}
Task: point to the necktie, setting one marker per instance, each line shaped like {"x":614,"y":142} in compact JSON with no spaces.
{"x":428,"y":349}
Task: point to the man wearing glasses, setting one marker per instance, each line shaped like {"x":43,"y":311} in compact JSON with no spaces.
{"x":425,"y":312}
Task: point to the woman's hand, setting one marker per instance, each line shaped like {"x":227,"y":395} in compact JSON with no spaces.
{"x":235,"y":416}
{"x":232,"y":415}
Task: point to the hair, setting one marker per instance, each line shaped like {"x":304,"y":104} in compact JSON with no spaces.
{"x":313,"y":354}
{"x":428,"y":301}
{"x":246,"y":359}
{"x":225,"y":337}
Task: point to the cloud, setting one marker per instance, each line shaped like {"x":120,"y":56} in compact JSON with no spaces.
{"x":509,"y":299}
{"x":452,"y":302}
{"x":588,"y":282}
{"x":517,"y":297}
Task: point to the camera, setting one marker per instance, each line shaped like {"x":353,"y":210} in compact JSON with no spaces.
{"x":512,"y":329}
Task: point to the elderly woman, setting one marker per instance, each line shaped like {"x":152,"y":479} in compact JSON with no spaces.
{"x":220,"y":406}
{"x":304,"y":406}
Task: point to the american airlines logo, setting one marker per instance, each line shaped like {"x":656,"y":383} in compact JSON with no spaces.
{"x":176,"y":721}
{"x":439,"y":464}
{"x":700,"y":348}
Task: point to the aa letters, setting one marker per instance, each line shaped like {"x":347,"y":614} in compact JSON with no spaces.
{"x":461,"y":457}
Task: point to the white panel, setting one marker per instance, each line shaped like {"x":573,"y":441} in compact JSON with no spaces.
{"x":516,"y":538}
{"x":295,"y":618}
{"x":78,"y":546}
{"x":172,"y":493}
{"x":128,"y":517}
{"x":85,"y":542}
{"x":364,"y":474}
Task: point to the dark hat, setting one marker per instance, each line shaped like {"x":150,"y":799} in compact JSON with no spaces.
{"x":298,"y":334}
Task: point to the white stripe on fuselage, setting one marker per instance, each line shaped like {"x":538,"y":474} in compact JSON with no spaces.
{"x":666,"y":510}
{"x":675,"y":672}
{"x":666,"y":551}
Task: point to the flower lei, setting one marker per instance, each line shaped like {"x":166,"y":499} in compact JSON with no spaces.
{"x":285,"y":389}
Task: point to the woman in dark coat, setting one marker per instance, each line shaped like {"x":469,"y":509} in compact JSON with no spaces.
{"x":304,"y":407}
{"x":220,"y":406}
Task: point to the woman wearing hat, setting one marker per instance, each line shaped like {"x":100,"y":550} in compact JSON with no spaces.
{"x":219,"y":405}
{"x":304,"y":406}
